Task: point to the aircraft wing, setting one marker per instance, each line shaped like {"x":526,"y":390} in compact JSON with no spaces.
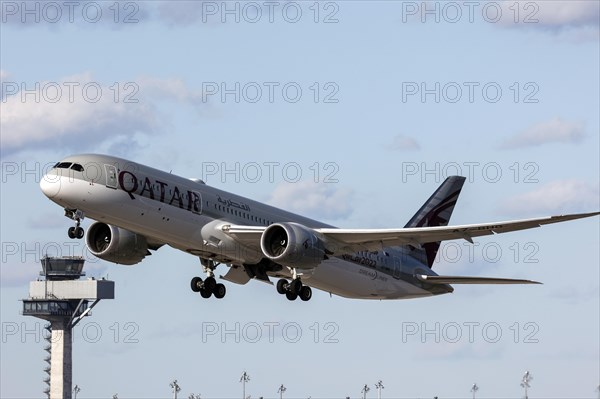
{"x":352,"y":240}
{"x":378,"y":238}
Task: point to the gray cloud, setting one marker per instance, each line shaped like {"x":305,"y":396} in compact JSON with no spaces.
{"x":555,"y":130}
{"x":57,"y":118}
{"x":54,"y":15}
{"x":175,"y":89}
{"x":557,"y":197}
{"x":572,"y":19}
{"x":186,"y":13}
{"x":403,"y":143}
{"x":568,"y":13}
{"x":318,"y":200}
{"x":66,"y":118}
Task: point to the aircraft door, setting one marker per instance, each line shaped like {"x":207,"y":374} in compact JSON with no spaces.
{"x":195,"y":202}
{"x":111,"y":175}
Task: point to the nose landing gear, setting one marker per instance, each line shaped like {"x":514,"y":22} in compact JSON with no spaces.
{"x":75,"y":231}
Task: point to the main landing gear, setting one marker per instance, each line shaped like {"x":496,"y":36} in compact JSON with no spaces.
{"x":77,"y":216}
{"x":209,"y":286}
{"x":294,"y":289}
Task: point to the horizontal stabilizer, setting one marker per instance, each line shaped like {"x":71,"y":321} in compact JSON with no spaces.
{"x":471,"y":280}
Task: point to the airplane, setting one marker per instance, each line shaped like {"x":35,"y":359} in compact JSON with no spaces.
{"x":138,"y":209}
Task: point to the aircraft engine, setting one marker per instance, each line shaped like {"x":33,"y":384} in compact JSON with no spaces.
{"x":115,"y":244}
{"x":293,"y":245}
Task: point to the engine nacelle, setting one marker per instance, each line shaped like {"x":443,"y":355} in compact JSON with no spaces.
{"x":115,"y":244}
{"x":293,"y":245}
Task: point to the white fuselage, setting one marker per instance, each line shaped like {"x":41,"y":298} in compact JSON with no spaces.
{"x":186,"y":214}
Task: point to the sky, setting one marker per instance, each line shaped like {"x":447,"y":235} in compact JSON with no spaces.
{"x":350,"y":112}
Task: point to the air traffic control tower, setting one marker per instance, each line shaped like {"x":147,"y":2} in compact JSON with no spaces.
{"x":63,"y":299}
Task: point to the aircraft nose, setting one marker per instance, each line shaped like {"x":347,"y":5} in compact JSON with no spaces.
{"x":50,"y":185}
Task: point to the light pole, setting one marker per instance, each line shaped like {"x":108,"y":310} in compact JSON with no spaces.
{"x":364,"y":391}
{"x":527,"y":377}
{"x":379,"y":387}
{"x":281,"y":390}
{"x":76,"y":390}
{"x":474,"y":389}
{"x":244,"y":379}
{"x":176,"y":388}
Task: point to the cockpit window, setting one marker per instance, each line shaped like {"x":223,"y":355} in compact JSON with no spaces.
{"x":77,"y":167}
{"x":63,"y":165}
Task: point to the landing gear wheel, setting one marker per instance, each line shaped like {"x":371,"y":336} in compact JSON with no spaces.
{"x":210,"y":283}
{"x":291,"y":296}
{"x":295,"y":286}
{"x":219,"y":291}
{"x":305,"y":293}
{"x":196,"y":284}
{"x":79,"y":233}
{"x":205,"y":293}
{"x":71,"y":232}
{"x":282,"y":286}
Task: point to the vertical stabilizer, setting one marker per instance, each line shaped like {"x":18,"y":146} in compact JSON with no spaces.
{"x":436,"y":211}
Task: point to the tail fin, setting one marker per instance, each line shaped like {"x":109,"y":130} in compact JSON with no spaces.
{"x":436,"y":211}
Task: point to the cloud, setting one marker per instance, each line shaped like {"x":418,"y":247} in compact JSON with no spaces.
{"x":403,"y":143}
{"x":174,"y":89}
{"x":211,"y":13}
{"x":577,"y":19}
{"x":77,"y":112}
{"x":186,"y":13}
{"x":74,"y":112}
{"x":562,"y":196}
{"x":3,"y":76}
{"x":54,"y":15}
{"x":553,"y":131}
{"x":562,"y":14}
{"x":317,"y":200}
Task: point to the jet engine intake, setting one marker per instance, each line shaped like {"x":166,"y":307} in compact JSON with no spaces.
{"x":293,"y":245}
{"x":115,"y":244}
